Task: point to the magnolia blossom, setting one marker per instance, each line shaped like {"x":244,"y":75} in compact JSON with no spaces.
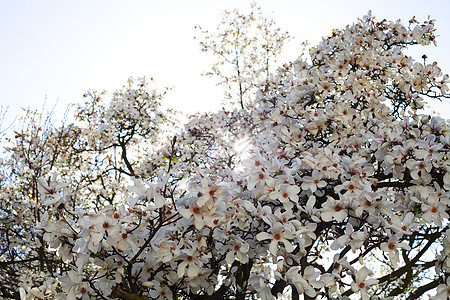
{"x":279,"y":234}
{"x":238,"y":248}
{"x":443,"y":290}
{"x":334,"y":209}
{"x":391,"y":246}
{"x":51,"y":192}
{"x":361,"y":283}
{"x":161,"y":292}
{"x":191,"y":261}
{"x":434,"y":210}
{"x":313,"y":182}
{"x":305,"y":283}
{"x":146,"y":191}
{"x":286,"y":193}
{"x":355,"y":239}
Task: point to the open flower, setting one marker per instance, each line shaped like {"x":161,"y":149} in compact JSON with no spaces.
{"x":391,"y":246}
{"x":238,"y":248}
{"x":52,"y":193}
{"x":146,"y":191}
{"x":190,"y":261}
{"x":333,"y":209}
{"x":304,"y":283}
{"x":313,"y":182}
{"x":435,"y":210}
{"x":355,"y":239}
{"x":361,"y":283}
{"x":161,"y":292}
{"x":279,"y":234}
{"x":286,"y":193}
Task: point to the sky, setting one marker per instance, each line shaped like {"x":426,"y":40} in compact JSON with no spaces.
{"x":52,"y":51}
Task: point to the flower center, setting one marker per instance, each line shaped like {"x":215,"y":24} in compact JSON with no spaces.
{"x":391,"y":246}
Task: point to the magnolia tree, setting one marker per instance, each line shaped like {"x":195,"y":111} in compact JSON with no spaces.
{"x":333,"y":185}
{"x":245,"y":47}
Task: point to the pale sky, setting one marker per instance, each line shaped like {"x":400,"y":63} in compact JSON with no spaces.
{"x":55,"y":51}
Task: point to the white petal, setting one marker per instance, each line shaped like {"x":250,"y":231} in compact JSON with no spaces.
{"x":263,"y":236}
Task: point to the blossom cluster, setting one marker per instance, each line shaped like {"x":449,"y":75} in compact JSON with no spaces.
{"x":342,"y":188}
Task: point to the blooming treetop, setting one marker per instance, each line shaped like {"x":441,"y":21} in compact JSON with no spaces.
{"x":340,"y":158}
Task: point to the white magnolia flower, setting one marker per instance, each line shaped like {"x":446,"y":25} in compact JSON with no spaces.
{"x":279,"y":234}
{"x":362,"y":283}
{"x":391,"y":246}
